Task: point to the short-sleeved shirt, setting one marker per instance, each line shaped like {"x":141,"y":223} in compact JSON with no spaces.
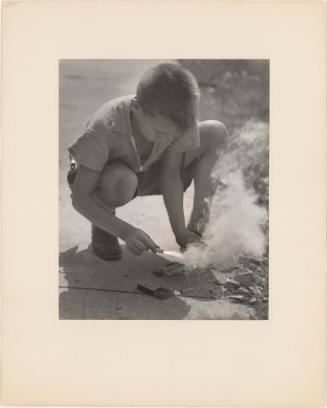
{"x":108,"y":136}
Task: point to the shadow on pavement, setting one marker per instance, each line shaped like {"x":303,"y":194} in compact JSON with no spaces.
{"x":91,"y":288}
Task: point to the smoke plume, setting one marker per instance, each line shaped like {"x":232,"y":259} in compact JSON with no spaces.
{"x":236,"y":220}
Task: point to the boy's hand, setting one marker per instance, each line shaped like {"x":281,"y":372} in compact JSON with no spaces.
{"x":187,"y":237}
{"x":138,"y":242}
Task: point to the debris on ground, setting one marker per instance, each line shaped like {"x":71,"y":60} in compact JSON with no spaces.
{"x":248,"y":284}
{"x":200,"y":292}
{"x":232,"y":284}
{"x":170,"y":269}
{"x":160,"y":293}
{"x":196,"y":282}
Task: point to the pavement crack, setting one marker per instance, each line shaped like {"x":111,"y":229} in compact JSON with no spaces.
{"x":135,"y":292}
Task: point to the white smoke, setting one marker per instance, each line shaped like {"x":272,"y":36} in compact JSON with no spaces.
{"x":235,"y":220}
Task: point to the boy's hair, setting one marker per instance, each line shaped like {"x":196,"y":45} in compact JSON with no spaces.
{"x":171,"y":90}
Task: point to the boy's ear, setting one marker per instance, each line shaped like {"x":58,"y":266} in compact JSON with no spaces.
{"x":135,"y":104}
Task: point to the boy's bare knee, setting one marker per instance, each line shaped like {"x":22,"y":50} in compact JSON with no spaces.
{"x":117,"y":185}
{"x":213,"y":134}
{"x":124,"y":189}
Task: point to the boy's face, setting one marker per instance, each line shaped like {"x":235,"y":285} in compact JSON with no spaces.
{"x":158,"y":128}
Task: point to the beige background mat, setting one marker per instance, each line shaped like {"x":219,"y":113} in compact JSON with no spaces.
{"x":279,"y":362}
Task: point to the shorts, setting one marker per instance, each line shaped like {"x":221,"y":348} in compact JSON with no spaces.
{"x":148,"y":181}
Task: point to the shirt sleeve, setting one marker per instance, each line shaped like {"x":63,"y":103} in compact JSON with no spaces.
{"x":189,"y":141}
{"x":92,"y":149}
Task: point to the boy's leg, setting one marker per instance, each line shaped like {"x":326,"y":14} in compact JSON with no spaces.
{"x":116,"y":186}
{"x":199,"y":164}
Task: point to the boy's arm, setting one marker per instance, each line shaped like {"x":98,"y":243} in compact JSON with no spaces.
{"x":83,"y":201}
{"x":172,"y":190}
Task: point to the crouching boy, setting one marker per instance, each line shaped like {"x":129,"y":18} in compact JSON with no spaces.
{"x":145,"y":144}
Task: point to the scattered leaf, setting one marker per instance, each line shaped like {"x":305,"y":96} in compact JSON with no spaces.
{"x":231,"y":284}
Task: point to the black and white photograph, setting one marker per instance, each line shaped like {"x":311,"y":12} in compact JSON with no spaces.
{"x":163,"y":189}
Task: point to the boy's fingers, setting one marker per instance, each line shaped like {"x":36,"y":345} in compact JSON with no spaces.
{"x":140,"y":246}
{"x":149,"y":243}
{"x":141,"y":242}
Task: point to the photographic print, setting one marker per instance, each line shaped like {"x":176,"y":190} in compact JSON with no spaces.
{"x":164,"y":189}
